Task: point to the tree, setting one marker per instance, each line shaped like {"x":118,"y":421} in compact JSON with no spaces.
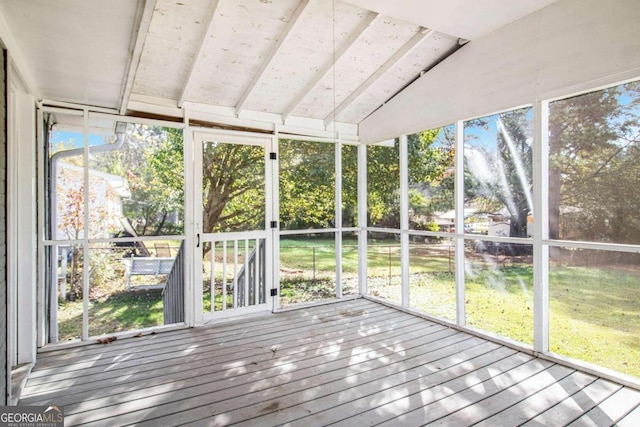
{"x":151,"y":160}
{"x":594,"y":166}
{"x":307,"y":184}
{"x":514,"y":145}
{"x":233,"y":187}
{"x":499,"y":175}
{"x":71,"y":221}
{"x":383,"y":186}
{"x":431,"y":171}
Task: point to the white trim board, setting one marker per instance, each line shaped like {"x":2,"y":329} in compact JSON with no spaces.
{"x":538,"y":55}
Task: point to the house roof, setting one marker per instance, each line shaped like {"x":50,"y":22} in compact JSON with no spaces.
{"x":118,"y":184}
{"x":242,"y":57}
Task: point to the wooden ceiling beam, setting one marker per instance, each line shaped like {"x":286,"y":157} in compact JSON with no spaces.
{"x":188,"y":81}
{"x":272,"y":54}
{"x":145,"y":13}
{"x":369,"y":21}
{"x":405,"y":50}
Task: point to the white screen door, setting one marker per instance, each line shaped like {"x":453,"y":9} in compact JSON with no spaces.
{"x":233,"y":241}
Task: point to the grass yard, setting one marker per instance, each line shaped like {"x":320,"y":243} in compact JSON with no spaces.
{"x":594,"y":309}
{"x":122,"y":311}
{"x":595,"y":316}
{"x":308,"y":269}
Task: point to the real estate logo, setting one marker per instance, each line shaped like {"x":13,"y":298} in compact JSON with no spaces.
{"x":31,"y":416}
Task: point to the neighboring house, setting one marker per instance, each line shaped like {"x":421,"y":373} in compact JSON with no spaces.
{"x":106,"y":193}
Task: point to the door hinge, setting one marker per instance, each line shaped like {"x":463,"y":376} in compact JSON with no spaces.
{"x":274,"y":224}
{"x":273,"y":156}
{"x":274,"y":292}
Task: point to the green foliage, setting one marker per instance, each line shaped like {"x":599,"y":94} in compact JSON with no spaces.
{"x":349,"y":185}
{"x":383,"y":186}
{"x":595,"y":165}
{"x":504,"y":180}
{"x":106,"y":272}
{"x":151,"y":160}
{"x":430,"y":155}
{"x":307,"y":184}
{"x":233,"y":187}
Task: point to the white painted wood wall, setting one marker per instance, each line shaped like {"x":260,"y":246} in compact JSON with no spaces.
{"x":565,"y":48}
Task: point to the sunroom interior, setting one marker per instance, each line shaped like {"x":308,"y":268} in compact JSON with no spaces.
{"x":199,"y":165}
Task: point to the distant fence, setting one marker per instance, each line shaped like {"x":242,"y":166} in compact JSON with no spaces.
{"x":173,"y":292}
{"x":387,"y":257}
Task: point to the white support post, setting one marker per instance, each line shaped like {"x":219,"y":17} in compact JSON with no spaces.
{"x":12,"y":235}
{"x":245,"y":299}
{"x":212,"y":279}
{"x":235,"y":274}
{"x":224,"y":275}
{"x":272,"y":257}
{"x":459,"y":224}
{"x":256,"y":277}
{"x":404,"y":219}
{"x":86,"y":232}
{"x":41,"y":321}
{"x":193,"y":306}
{"x":541,"y":227}
{"x":338,"y":216}
{"x":362,"y":218}
{"x":21,"y":222}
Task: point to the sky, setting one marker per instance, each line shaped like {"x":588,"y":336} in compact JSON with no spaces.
{"x":72,"y":140}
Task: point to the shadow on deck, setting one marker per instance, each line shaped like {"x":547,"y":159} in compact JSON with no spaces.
{"x":349,"y":363}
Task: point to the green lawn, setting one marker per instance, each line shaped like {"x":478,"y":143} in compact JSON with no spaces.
{"x":122,"y":311}
{"x":595,"y":316}
{"x":594,"y":311}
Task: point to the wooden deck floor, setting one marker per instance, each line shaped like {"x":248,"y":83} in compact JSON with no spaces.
{"x":352,"y":363}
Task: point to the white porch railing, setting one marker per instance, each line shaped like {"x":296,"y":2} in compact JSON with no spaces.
{"x":237,"y":269}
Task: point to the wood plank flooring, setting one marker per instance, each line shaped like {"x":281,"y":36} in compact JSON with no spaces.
{"x":353,"y":363}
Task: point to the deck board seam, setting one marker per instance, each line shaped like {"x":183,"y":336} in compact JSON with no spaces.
{"x":294,"y":340}
{"x":570,"y":372}
{"x":348,"y":344}
{"x":530,"y":361}
{"x":277,"y":332}
{"x":543,"y":410}
{"x":225,"y":325}
{"x":198,"y":335}
{"x":291,"y":393}
{"x":309,"y":377}
{"x":488,"y":351}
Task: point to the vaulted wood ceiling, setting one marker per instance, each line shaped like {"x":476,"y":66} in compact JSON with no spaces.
{"x":319,"y":59}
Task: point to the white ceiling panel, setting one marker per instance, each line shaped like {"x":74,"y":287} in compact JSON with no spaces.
{"x":423,"y":57}
{"x":468,"y":19}
{"x":240,"y":40}
{"x":322,"y":28}
{"x":77,"y":50}
{"x":293,"y":59}
{"x":174,"y":35}
{"x":380,"y":42}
